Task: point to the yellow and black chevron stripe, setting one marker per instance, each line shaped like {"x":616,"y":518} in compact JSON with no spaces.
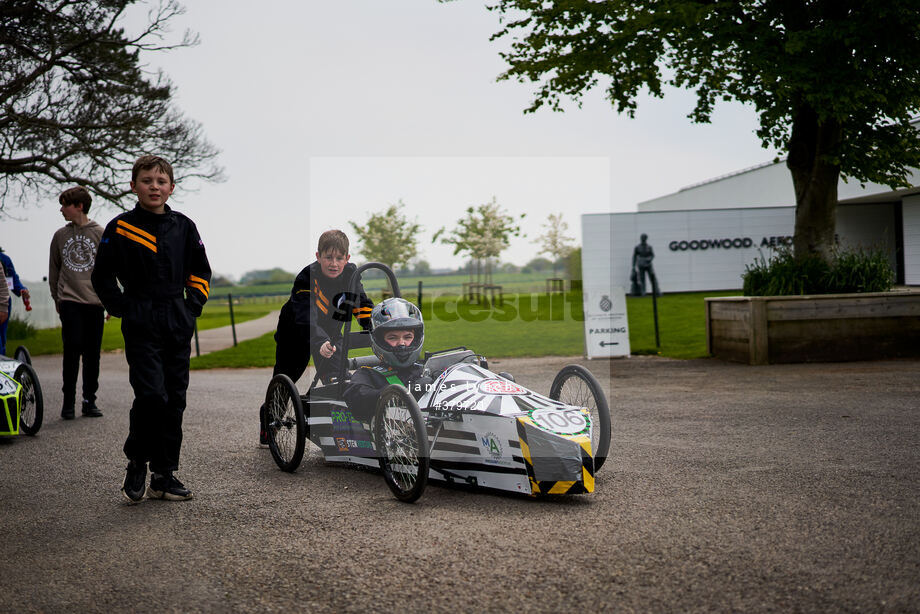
{"x":199,"y":284}
{"x":557,"y":487}
{"x":142,"y":237}
{"x":322,"y":303}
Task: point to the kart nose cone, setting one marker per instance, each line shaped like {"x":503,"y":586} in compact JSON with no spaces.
{"x":556,"y":464}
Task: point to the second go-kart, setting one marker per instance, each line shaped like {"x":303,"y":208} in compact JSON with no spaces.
{"x":21,"y":405}
{"x":472,"y":426}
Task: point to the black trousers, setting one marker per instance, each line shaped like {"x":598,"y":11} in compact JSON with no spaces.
{"x":81,"y":331}
{"x":157,"y":346}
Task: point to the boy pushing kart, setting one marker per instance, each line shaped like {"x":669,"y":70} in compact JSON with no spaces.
{"x":311,"y":320}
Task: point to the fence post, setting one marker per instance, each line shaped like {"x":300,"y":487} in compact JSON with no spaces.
{"x":419,"y":294}
{"x":232,"y":321}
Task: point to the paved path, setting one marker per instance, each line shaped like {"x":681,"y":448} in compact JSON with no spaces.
{"x":786,"y":488}
{"x":215,"y":339}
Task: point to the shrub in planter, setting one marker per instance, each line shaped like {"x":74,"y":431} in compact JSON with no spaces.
{"x":783,"y":275}
{"x":860,"y":272}
{"x":851,"y":271}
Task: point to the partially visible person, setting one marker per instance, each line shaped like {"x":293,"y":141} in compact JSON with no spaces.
{"x":157,"y":256}
{"x":4,"y":297}
{"x":14,"y":286}
{"x":311,"y":321}
{"x":70,"y":269}
{"x":397,"y":336}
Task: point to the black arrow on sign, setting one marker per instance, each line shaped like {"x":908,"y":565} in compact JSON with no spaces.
{"x":603,"y":343}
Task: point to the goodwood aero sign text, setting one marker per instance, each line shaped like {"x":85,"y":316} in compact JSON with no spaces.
{"x":736,"y":243}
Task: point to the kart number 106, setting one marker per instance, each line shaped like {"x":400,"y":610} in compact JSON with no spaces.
{"x":566,"y":422}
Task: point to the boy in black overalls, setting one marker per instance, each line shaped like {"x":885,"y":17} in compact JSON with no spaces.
{"x":158,"y":257}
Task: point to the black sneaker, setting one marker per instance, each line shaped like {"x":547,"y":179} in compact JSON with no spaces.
{"x":90,"y":410}
{"x":135,"y":480}
{"x":67,"y":412}
{"x":167,"y":486}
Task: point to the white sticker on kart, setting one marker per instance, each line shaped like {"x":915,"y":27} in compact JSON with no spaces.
{"x":500,"y":386}
{"x":9,"y":366}
{"x":561,"y":421}
{"x":7,"y":386}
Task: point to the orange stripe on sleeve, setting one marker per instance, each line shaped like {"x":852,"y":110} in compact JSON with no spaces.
{"x":136,"y":239}
{"x":137,"y":230}
{"x":319,"y":293}
{"x":203,"y":282}
{"x":199,"y":287}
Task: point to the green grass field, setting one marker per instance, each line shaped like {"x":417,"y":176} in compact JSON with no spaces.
{"x":535,"y":326}
{"x":216,"y":314}
{"x":526,"y":325}
{"x":510,"y":283}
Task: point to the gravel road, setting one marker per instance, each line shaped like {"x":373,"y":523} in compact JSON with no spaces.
{"x":728,"y":488}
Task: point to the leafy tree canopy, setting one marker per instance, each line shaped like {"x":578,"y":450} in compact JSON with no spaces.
{"x":266,"y":276}
{"x":835,"y":82}
{"x":388,"y":237}
{"x":422,"y":268}
{"x":485,"y":231}
{"x":539,"y":264}
{"x":554,"y":241}
{"x":220,"y":281}
{"x":78,"y":106}
{"x":573,"y":263}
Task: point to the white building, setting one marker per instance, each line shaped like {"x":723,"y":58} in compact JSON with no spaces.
{"x":705,"y":234}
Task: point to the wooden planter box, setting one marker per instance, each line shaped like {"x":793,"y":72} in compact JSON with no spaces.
{"x":759,"y":330}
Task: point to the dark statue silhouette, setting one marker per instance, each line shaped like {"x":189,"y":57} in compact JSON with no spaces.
{"x":642,"y":258}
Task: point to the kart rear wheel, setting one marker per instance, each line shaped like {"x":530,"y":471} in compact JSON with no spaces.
{"x":22,"y":355}
{"x":285,"y":422}
{"x":32,"y":406}
{"x":575,"y":385}
{"x":401,"y":439}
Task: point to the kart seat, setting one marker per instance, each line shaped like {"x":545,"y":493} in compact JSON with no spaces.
{"x":436,"y":363}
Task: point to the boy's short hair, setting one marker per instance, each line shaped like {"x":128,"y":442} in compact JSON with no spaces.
{"x":76,"y":196}
{"x":334,"y":240}
{"x":147,"y":162}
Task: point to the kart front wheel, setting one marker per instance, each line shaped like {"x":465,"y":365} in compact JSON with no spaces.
{"x":285,"y":422}
{"x":575,"y":385}
{"x":31,"y":405}
{"x":401,"y":439}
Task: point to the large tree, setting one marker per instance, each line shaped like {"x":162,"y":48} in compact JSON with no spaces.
{"x":78,"y":105}
{"x":483,"y":233}
{"x":554,"y":241}
{"x":388,"y":236}
{"x":834,"y":82}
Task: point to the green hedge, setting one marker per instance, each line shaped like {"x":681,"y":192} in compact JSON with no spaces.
{"x":849,"y":271}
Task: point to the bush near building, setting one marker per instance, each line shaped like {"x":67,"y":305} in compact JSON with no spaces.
{"x":849,"y":271}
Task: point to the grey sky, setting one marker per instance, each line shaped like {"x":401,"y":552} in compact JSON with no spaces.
{"x":325,"y":111}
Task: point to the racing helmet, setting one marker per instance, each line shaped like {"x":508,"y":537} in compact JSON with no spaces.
{"x":396,"y":314}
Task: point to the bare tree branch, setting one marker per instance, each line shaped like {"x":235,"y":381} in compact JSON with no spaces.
{"x":77,"y":105}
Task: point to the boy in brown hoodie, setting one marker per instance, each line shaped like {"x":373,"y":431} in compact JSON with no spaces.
{"x":70,"y":267}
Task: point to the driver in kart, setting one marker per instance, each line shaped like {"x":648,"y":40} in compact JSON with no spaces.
{"x":397,"y":335}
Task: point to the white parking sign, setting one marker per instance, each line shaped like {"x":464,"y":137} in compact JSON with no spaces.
{"x":606,"y":326}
